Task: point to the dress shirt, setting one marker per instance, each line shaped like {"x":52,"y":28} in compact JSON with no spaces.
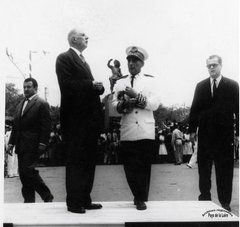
{"x":77,"y":51}
{"x":79,"y":54}
{"x":139,"y":123}
{"x":27,"y":100}
{"x":176,"y":134}
{"x":217,"y":82}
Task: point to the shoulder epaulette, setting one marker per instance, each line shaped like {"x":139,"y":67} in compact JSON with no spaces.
{"x":148,"y":75}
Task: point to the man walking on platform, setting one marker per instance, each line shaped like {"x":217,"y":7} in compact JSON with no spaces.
{"x":214,"y":108}
{"x":30,"y":136}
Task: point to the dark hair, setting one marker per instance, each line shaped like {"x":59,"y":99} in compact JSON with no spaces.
{"x":30,"y":79}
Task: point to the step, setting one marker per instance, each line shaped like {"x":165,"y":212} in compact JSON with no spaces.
{"x":115,"y":214}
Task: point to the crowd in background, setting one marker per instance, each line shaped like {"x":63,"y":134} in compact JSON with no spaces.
{"x":10,"y":161}
{"x":174,"y":144}
{"x":109,"y":148}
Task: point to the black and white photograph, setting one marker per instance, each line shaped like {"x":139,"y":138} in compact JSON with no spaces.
{"x":119,"y":113}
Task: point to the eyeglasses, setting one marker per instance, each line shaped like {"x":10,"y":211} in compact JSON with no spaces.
{"x":212,"y":66}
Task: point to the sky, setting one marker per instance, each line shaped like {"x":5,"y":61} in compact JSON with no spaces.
{"x":177,"y":34}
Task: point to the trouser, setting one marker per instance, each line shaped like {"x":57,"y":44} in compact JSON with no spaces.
{"x":178,"y":152}
{"x":224,"y":165}
{"x":30,"y":178}
{"x":137,"y":157}
{"x":170,"y":152}
{"x":80,"y":169}
{"x":79,"y":183}
{"x":193,"y":159}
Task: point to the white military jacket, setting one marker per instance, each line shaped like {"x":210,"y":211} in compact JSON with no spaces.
{"x":138,"y":124}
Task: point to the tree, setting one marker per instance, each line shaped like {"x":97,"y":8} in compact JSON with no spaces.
{"x":12,"y":98}
{"x":174,"y":113}
{"x":161,"y":114}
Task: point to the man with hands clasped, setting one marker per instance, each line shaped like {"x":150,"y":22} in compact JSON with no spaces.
{"x":135,"y":100}
{"x":81,"y":119}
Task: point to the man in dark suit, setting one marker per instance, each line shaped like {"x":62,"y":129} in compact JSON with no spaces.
{"x":214,"y":109}
{"x":81,"y":119}
{"x":30,"y":136}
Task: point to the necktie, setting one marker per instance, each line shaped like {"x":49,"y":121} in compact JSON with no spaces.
{"x":86,"y":65}
{"x":214,"y":87}
{"x":132,"y":79}
{"x":25,"y":104}
{"x":82,"y":58}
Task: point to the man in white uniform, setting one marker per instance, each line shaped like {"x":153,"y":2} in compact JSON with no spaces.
{"x":135,"y":101}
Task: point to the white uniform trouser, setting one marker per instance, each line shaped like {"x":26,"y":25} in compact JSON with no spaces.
{"x":193,"y":159}
{"x":12,"y":164}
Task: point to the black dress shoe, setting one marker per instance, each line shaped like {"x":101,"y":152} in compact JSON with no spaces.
{"x":93,"y":206}
{"x":226,"y":207}
{"x":79,"y":210}
{"x":29,"y":201}
{"x":140,"y":205}
{"x":48,"y":199}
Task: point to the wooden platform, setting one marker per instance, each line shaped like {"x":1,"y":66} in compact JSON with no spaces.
{"x":115,"y":214}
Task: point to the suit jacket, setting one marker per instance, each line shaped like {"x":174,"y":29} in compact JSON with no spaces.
{"x":32,"y":127}
{"x":80,"y":103}
{"x":215,"y":116}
